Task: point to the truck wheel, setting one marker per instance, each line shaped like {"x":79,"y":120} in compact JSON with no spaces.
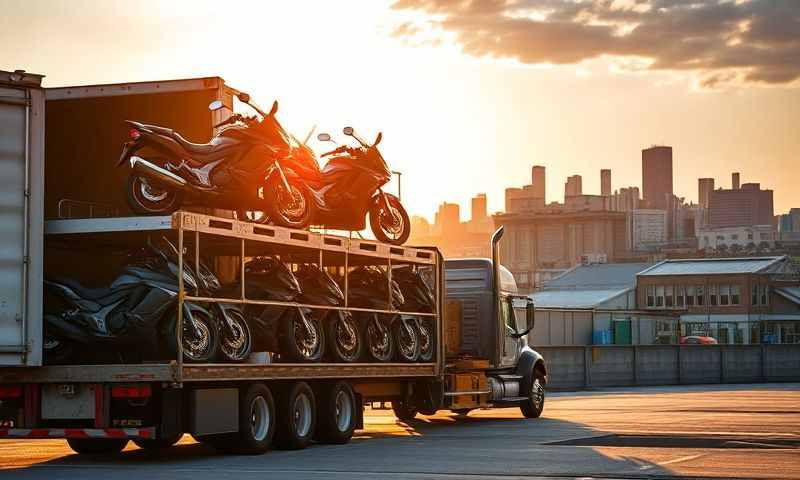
{"x":157,"y":443}
{"x":402,"y":411}
{"x":336,"y":421}
{"x":532,"y":406}
{"x":97,"y":446}
{"x":296,"y":417}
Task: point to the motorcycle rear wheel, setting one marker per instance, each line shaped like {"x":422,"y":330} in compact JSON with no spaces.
{"x":390,"y":226}
{"x":146,"y":198}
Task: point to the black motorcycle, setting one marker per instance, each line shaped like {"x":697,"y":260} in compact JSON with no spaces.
{"x":288,"y":330}
{"x":416,"y":283}
{"x":386,"y":335}
{"x":348,"y":189}
{"x":131,"y":320}
{"x":319,"y":288}
{"x":239,"y":169}
{"x":236,"y":340}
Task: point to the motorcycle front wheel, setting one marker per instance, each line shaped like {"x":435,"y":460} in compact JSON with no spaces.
{"x":407,"y":338}
{"x":57,"y":350}
{"x":290,"y":209}
{"x":147,"y":198}
{"x":302,"y":341}
{"x":427,"y":339}
{"x":200,"y":346}
{"x":379,"y":340}
{"x":344,"y":336}
{"x":390,"y":225}
{"x":235,"y":348}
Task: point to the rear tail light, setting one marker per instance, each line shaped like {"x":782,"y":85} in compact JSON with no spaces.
{"x":131,"y":391}
{"x":134,"y":134}
{"x":10,"y":391}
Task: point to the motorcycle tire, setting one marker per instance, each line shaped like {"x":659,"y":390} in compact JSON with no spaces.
{"x":379,"y":342}
{"x":202,"y":350}
{"x":387,"y":228}
{"x":295,"y":213}
{"x":57,"y":351}
{"x":235,"y":350}
{"x":427,"y":332}
{"x":296,"y":348}
{"x":344,"y":337}
{"x":147,"y":199}
{"x":407,"y":338}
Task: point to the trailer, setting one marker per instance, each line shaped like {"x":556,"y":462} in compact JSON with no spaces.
{"x":481,"y":355}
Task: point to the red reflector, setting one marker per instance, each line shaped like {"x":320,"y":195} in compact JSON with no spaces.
{"x":10,"y":391}
{"x":131,"y":391}
{"x":134,"y":134}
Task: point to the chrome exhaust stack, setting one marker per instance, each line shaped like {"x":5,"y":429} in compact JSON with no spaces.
{"x":157,"y":174}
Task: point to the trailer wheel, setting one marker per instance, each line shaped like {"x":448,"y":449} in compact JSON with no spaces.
{"x":533,"y":406}
{"x":402,"y":411}
{"x":97,"y":446}
{"x":336,"y":421}
{"x":157,"y":443}
{"x":296,"y":417}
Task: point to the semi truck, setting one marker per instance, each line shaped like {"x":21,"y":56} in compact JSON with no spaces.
{"x":62,"y":211}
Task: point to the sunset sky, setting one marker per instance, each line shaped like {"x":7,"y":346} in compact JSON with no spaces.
{"x":469,"y":95}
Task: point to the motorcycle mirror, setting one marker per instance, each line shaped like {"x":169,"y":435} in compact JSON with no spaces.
{"x":215,"y":105}
{"x":348,"y":131}
{"x":274,"y":108}
{"x":324,"y":137}
{"x":378,"y":138}
{"x":244,"y":97}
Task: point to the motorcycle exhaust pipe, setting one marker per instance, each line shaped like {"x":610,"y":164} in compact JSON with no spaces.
{"x":158,"y":174}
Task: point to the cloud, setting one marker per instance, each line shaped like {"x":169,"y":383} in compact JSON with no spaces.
{"x":719,"y":42}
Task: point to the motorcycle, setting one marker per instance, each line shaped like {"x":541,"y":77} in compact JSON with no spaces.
{"x":348,"y":189}
{"x":319,"y":288}
{"x":239,"y":169}
{"x":129,"y":320}
{"x":235,"y":338}
{"x":386,"y":335}
{"x":300,"y":336}
{"x":416,"y":284}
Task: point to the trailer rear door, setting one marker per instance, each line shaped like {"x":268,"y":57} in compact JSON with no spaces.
{"x":21,"y":217}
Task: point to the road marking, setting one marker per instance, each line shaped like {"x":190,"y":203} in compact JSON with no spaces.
{"x":674,"y":460}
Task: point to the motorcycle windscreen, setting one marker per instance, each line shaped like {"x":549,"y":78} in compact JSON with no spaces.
{"x":275,"y":136}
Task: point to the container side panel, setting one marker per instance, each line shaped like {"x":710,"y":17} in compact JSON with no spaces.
{"x":13,"y":143}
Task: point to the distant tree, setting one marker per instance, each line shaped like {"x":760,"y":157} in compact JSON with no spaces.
{"x":752,"y":246}
{"x":763,"y":246}
{"x":735,"y":248}
{"x":722,"y":248}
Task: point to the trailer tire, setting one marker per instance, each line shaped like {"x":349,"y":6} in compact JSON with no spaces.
{"x":97,"y":446}
{"x":402,"y":411}
{"x":533,"y":406}
{"x":336,"y":419}
{"x":296,"y":417}
{"x":157,"y":443}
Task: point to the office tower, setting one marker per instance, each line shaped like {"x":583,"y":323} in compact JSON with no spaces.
{"x":657,"y":176}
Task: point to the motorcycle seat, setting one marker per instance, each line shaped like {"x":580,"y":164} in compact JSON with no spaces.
{"x":199,"y":152}
{"x":101,"y":295}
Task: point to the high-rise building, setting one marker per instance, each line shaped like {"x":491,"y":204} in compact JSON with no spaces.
{"x":746,"y":206}
{"x":646,"y":229}
{"x":479,"y":212}
{"x":605,"y":182}
{"x":656,"y":176}
{"x":573,"y":186}
{"x":704,"y":188}
{"x":538,"y":182}
{"x":625,"y":199}
{"x":448,"y":218}
{"x":735,"y":181}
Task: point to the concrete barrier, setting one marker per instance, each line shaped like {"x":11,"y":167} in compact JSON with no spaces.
{"x":594,"y":366}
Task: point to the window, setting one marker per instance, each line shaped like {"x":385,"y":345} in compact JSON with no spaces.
{"x":669,"y":296}
{"x":712,"y":295}
{"x":724,"y":294}
{"x":680,"y":293}
{"x":735,"y":236}
{"x":691,"y":291}
{"x":764,"y":292}
{"x":763,"y":236}
{"x":736,"y":294}
{"x":651,"y":296}
{"x":701,"y":296}
{"x":754,"y":294}
{"x":750,"y":236}
{"x":659,"y":296}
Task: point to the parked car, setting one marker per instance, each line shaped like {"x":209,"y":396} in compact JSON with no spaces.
{"x":698,"y":340}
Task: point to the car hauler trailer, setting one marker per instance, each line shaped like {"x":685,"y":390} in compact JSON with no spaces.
{"x":481,"y":356}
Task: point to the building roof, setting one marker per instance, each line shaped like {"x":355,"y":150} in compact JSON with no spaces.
{"x":599,"y":276}
{"x":790,"y":293}
{"x":713,"y":266}
{"x":575,"y":298}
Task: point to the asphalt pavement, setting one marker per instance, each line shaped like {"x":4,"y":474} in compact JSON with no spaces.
{"x":743,"y":431}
